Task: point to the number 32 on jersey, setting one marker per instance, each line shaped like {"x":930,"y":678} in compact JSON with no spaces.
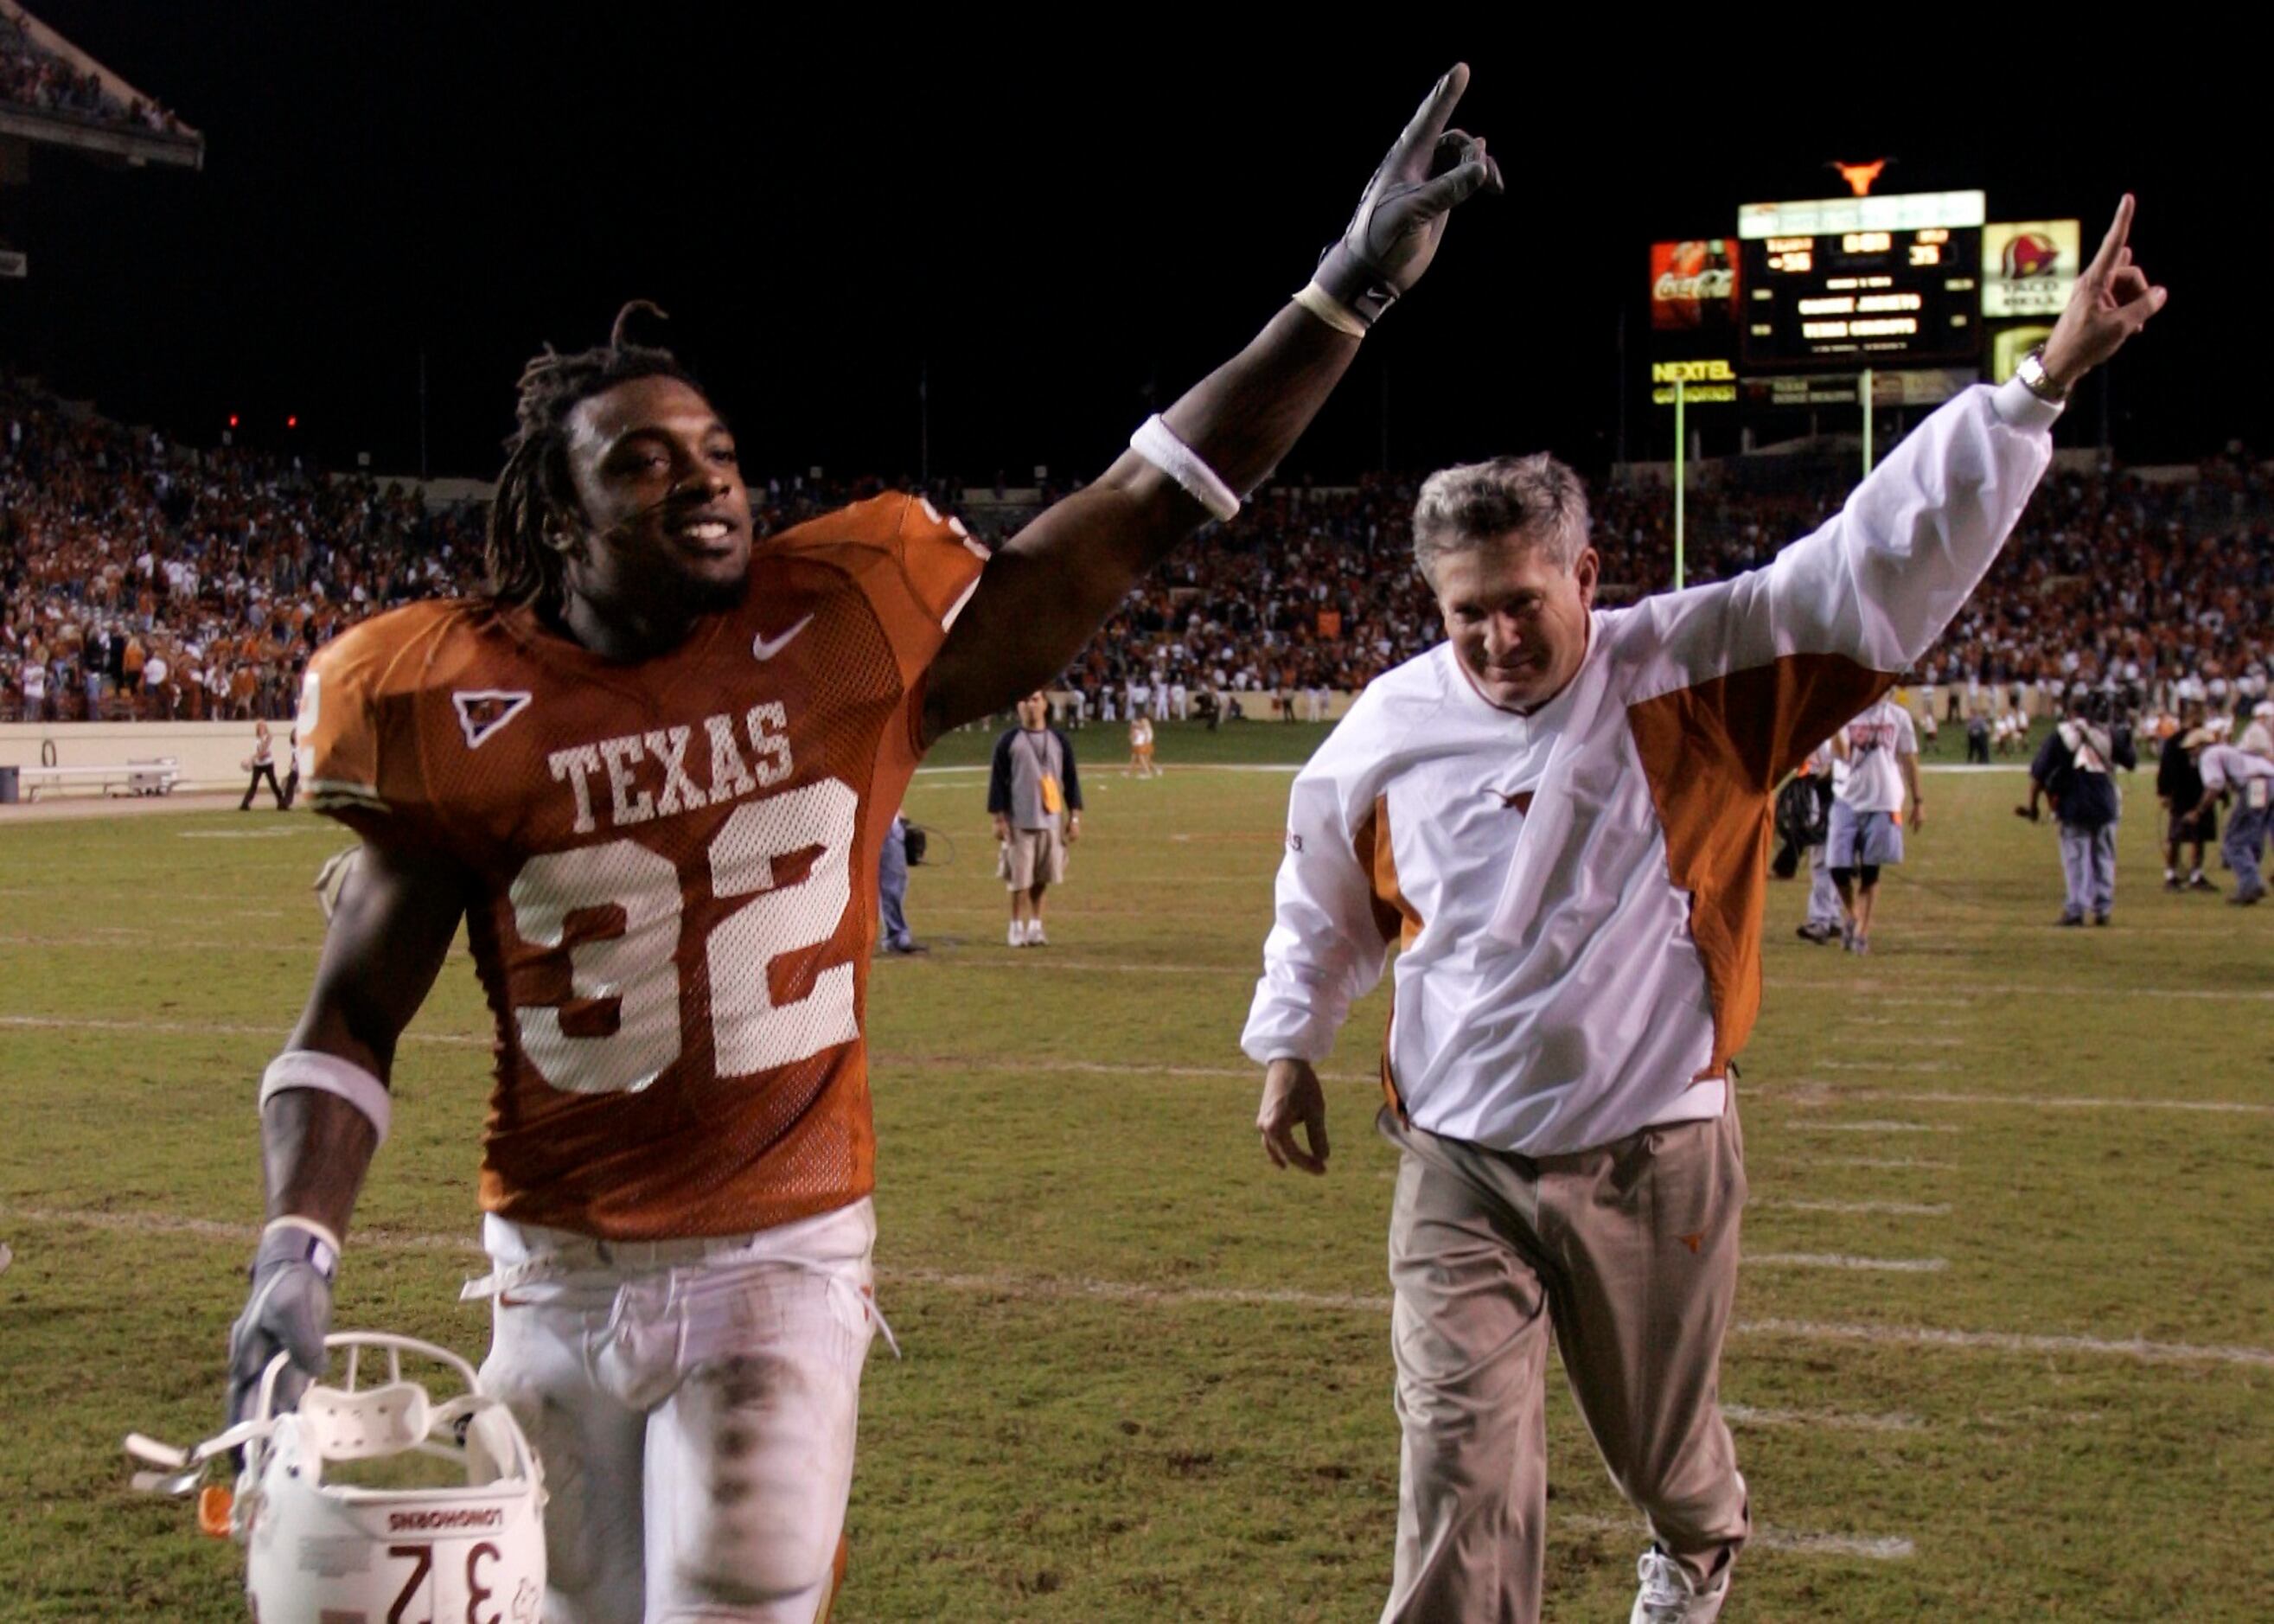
{"x":637,"y":967}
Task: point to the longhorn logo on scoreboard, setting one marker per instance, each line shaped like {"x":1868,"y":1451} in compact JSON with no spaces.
{"x":1693,"y":285}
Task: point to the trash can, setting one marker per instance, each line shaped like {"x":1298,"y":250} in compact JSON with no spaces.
{"x":8,"y":786}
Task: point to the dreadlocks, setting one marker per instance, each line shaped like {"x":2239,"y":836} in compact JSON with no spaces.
{"x":536,"y":517}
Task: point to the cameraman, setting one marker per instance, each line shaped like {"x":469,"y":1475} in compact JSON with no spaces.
{"x":2072,"y":771}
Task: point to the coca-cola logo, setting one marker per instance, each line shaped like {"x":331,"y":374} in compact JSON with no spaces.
{"x":1705,"y":284}
{"x":1692,"y":283}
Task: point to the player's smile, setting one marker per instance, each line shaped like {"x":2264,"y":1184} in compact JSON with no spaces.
{"x":708,"y":532}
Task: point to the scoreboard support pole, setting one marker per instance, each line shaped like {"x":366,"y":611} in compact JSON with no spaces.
{"x":1681,"y":480}
{"x":1866,"y":390}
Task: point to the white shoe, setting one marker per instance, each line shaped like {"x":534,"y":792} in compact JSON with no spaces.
{"x":1035,"y":937}
{"x":1669,"y":1596}
{"x":1018,"y":937}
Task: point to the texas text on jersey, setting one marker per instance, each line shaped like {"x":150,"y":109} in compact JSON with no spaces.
{"x":674,"y":865}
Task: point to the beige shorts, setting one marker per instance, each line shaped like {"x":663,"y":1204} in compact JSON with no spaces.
{"x":1031,"y":857}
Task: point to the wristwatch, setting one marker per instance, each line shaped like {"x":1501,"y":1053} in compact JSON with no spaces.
{"x":2034,"y":379}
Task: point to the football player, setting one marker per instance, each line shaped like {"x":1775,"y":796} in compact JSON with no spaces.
{"x":650,"y":770}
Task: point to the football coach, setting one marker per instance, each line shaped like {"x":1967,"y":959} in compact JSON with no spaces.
{"x":1562,"y":815}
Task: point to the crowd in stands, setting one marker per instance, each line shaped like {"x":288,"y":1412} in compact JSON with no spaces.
{"x":33,"y":76}
{"x":2157,"y":593}
{"x":142,"y":581}
{"x":138,"y":580}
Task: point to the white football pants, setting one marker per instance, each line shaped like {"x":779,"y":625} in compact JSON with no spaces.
{"x":693,"y":1405}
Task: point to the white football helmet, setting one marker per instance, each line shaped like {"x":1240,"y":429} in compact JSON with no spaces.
{"x":318,"y":1550}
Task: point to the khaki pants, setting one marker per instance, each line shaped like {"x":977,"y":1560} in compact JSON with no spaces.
{"x":1033,"y":858}
{"x":1629,"y":1253}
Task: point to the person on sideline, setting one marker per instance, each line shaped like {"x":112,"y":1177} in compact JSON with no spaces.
{"x":1034,"y":793}
{"x":1879,"y":749}
{"x":892,"y":889}
{"x":2073,"y":770}
{"x":1819,"y":776}
{"x":262,"y":764}
{"x":1141,"y":748}
{"x":2190,"y":818}
{"x":2248,"y":778}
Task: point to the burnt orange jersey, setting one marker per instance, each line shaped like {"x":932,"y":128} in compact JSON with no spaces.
{"x":675,"y":862}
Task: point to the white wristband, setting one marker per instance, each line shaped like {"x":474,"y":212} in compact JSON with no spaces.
{"x":1331,"y":310}
{"x":1157,"y":443}
{"x":328,"y":1074}
{"x":323,"y":1249}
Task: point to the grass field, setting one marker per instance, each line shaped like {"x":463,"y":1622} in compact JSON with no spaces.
{"x":2005,"y":1339}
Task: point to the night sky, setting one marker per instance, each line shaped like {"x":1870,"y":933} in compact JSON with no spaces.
{"x":1049,"y":230}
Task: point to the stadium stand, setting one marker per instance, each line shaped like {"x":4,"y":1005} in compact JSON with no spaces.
{"x":38,"y":70}
{"x":146,"y":581}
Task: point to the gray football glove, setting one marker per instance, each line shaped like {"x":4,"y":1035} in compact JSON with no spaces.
{"x":289,"y":1310}
{"x":1401,"y":218}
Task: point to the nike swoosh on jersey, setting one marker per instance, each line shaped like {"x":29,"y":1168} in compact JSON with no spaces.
{"x":765,"y":648}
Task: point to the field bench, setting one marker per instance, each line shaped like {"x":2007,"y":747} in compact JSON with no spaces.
{"x":157,"y":776}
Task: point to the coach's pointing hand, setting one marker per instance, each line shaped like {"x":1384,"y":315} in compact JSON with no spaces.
{"x":2113,"y":300}
{"x":1292,"y":1095}
{"x":1401,"y":218}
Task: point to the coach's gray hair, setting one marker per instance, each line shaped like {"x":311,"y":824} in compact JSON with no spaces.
{"x":1471,"y":505}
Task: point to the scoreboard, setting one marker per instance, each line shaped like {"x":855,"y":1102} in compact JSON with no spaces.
{"x":1879,"y":281}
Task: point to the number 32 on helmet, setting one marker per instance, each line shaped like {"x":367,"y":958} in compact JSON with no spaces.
{"x":374,"y":1501}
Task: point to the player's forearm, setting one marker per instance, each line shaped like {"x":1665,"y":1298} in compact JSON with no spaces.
{"x":1246,"y":415}
{"x":1240,"y":420}
{"x":316,"y":1149}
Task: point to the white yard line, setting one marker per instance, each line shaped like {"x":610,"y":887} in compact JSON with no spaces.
{"x":1880,"y":1065}
{"x":1842,"y":1260}
{"x":887,"y":1061}
{"x":2031,"y":1102}
{"x":1969,"y":992}
{"x":1061,"y":1289}
{"x":2008,"y":1341}
{"x":1915,"y":1163}
{"x":201,"y":1029}
{"x":1872,"y":1127}
{"x":148,"y":944}
{"x":1765,"y":1536}
{"x":1027,"y":960}
{"x":1890,"y":1209}
{"x":1819,"y":1420}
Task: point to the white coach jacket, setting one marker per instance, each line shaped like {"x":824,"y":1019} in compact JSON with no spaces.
{"x":1578,"y":893}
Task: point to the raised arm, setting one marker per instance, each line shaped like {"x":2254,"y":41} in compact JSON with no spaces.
{"x":1838,"y":614}
{"x":325,"y":1104}
{"x":1049,"y":589}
